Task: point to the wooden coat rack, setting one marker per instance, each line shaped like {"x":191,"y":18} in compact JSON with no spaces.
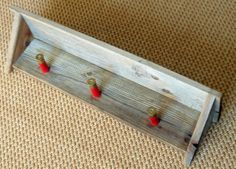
{"x":129,"y":84}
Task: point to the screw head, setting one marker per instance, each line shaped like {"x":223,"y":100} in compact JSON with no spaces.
{"x":40,"y":58}
{"x":152,"y":111}
{"x":91,"y":82}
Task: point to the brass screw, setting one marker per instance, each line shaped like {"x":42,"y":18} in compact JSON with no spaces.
{"x":92,"y":82}
{"x":152,"y":111}
{"x":40,"y":58}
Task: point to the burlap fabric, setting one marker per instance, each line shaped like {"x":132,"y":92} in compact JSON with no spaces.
{"x":41,"y":127}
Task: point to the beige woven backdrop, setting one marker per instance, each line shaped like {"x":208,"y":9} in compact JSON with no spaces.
{"x":41,"y":127}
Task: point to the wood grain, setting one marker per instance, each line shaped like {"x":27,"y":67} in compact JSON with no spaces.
{"x":121,"y":98}
{"x":206,"y":115}
{"x":19,"y":35}
{"x":129,"y":83}
{"x":143,"y":72}
{"x":193,"y":145}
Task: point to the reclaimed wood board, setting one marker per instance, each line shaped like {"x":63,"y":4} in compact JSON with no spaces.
{"x":120,"y":97}
{"x":18,"y":41}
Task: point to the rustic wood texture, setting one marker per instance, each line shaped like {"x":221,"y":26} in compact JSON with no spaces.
{"x":121,"y":97}
{"x":19,"y":35}
{"x":194,"y":38}
{"x":120,"y":62}
{"x":206,"y":115}
{"x":189,"y":154}
{"x":129,"y":83}
{"x":193,"y":145}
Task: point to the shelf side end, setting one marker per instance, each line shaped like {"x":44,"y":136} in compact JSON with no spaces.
{"x":20,"y":33}
{"x":202,"y":126}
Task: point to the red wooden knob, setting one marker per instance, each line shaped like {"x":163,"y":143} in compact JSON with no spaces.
{"x":42,"y":63}
{"x":154,"y":121}
{"x":95,"y":91}
{"x":152,"y":116}
{"x":44,"y":67}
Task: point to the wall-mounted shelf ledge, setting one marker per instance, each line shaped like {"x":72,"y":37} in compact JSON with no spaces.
{"x":129,"y":84}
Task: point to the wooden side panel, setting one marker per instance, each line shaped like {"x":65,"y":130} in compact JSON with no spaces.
{"x":121,"y":97}
{"x":206,"y":115}
{"x":120,"y":62}
{"x":19,"y":35}
{"x":189,"y":154}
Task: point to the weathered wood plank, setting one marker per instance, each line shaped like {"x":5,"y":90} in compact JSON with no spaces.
{"x":205,"y":116}
{"x":143,"y":72}
{"x":121,"y":97}
{"x":192,"y":148}
{"x":189,"y":154}
{"x":19,"y":35}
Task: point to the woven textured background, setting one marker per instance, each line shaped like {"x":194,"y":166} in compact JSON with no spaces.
{"x":41,"y":127}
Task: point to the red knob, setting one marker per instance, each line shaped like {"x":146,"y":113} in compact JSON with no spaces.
{"x":44,"y":67}
{"x":154,"y":120}
{"x":95,"y":91}
{"x":42,"y":63}
{"x":152,"y":116}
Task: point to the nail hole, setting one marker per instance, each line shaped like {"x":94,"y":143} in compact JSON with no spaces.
{"x":89,"y":73}
{"x":27,"y":43}
{"x":154,"y":77}
{"x":166,"y":91}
